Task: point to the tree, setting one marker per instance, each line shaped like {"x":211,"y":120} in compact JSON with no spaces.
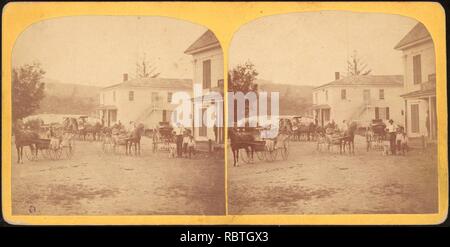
{"x":242,"y":77}
{"x":356,"y":66}
{"x":27,"y":90}
{"x":144,"y":69}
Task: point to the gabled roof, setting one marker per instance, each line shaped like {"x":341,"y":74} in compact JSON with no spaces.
{"x":155,"y":83}
{"x":418,"y":33}
{"x":207,"y":41}
{"x":369,"y":80}
{"x":420,"y":93}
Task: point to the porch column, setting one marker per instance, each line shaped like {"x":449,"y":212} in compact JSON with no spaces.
{"x":430,"y":131}
{"x":406,"y":116}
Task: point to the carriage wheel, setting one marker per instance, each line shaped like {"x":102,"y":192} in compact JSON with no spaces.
{"x":55,"y":154}
{"x":260,"y":155}
{"x":285,"y":151}
{"x":271,"y":155}
{"x":244,"y":155}
{"x":30,"y":154}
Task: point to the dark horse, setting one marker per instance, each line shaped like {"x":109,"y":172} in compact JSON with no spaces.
{"x":24,"y":138}
{"x":134,"y":139}
{"x":349,"y":138}
{"x":240,"y":140}
{"x":93,"y":130}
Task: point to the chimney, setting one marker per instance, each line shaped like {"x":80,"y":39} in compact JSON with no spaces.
{"x":336,"y":76}
{"x":125,"y":77}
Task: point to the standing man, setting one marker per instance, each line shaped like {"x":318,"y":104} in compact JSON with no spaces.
{"x":179,"y":130}
{"x":391,"y":129}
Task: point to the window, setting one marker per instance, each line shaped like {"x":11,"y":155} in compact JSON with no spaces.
{"x":169,"y":97}
{"x":417,"y":69}
{"x":382,"y":113}
{"x":154,"y":97}
{"x":114,"y":96}
{"x":103,"y":98}
{"x":326,"y":95}
{"x":381,"y":94}
{"x":415,"y":118}
{"x":316,"y":101}
{"x":207,"y":74}
{"x":131,"y":95}
{"x":343,"y":94}
{"x":366,"y":95}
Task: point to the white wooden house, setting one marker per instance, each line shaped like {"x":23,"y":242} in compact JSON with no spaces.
{"x":146,"y":100}
{"x":207,"y":57}
{"x":359,"y":98}
{"x":420,"y":82}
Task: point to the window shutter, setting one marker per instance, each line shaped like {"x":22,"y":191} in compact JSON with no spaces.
{"x":387,"y":113}
{"x":207,"y":74}
{"x":377,"y":113}
{"x":417,"y":69}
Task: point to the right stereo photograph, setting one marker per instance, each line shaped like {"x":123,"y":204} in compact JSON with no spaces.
{"x":332,"y":112}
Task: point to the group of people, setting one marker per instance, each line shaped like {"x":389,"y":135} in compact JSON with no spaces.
{"x":398,"y":140}
{"x":185,"y":141}
{"x":180,"y":137}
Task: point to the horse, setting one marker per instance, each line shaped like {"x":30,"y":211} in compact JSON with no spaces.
{"x":349,"y":138}
{"x":134,"y":139}
{"x":93,"y":130}
{"x":24,"y":138}
{"x":70,"y":125}
{"x":238,"y":141}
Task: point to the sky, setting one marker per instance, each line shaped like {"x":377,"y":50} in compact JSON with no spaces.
{"x":98,"y":50}
{"x":308,"y":48}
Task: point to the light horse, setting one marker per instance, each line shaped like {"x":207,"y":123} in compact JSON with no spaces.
{"x":349,"y":138}
{"x":24,"y":138}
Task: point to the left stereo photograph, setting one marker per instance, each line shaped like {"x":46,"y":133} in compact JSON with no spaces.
{"x":117,"y":115}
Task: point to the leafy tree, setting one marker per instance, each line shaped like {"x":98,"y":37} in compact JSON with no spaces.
{"x":356,"y":66}
{"x":144,"y":69}
{"x":242,"y":77}
{"x":27,"y":90}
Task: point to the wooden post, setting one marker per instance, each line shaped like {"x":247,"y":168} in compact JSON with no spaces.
{"x":210,"y":146}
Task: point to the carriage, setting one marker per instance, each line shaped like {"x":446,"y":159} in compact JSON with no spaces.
{"x":375,"y":134}
{"x":162,"y":137}
{"x":52,"y":148}
{"x":266,"y":143}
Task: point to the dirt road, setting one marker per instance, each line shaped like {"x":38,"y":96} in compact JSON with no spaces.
{"x":93,"y":183}
{"x":312,"y":182}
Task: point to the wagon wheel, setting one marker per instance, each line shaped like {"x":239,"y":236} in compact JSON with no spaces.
{"x":45,"y":153}
{"x":271,"y":154}
{"x":29,"y":153}
{"x":55,"y":154}
{"x":244,"y":155}
{"x":260,"y":155}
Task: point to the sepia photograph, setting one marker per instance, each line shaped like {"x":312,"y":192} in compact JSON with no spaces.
{"x":96,"y":118}
{"x":353,"y":99}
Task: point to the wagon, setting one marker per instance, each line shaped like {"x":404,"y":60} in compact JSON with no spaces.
{"x":375,"y":134}
{"x":267,"y":149}
{"x":53,"y":149}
